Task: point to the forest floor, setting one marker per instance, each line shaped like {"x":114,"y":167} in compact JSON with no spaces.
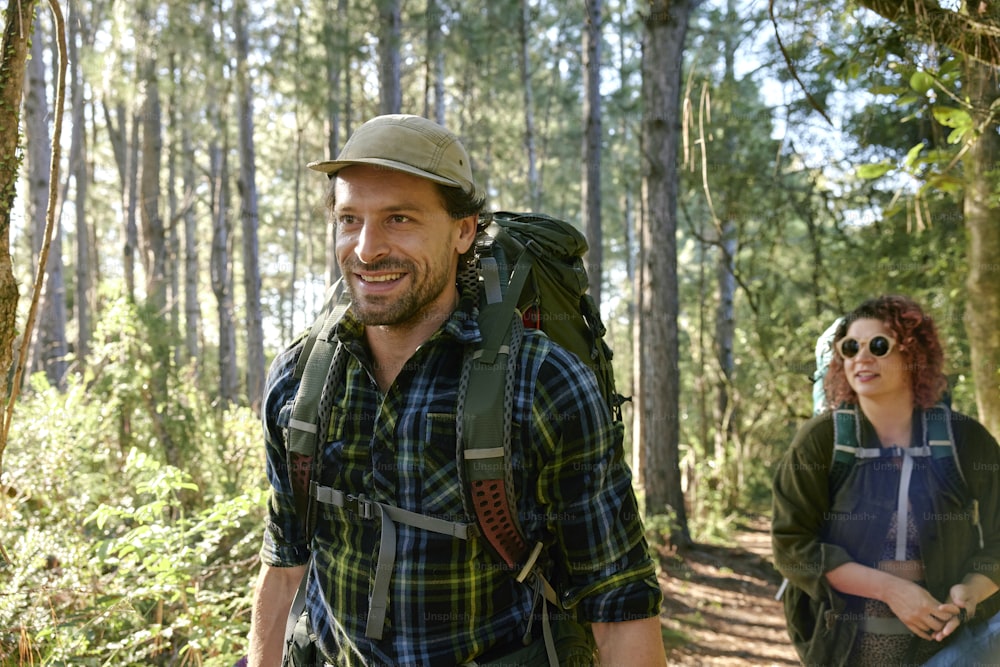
{"x":720,"y":604}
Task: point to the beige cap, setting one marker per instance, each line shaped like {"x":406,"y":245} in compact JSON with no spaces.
{"x":411,"y":144}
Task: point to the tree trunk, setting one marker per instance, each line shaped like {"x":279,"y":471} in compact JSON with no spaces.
{"x":154,"y":242}
{"x":154,"y":250}
{"x":220,"y":262}
{"x":434,"y":86}
{"x":982,"y":218}
{"x":725,"y":325}
{"x":174,"y":205}
{"x":390,"y":90}
{"x":534,"y":187}
{"x":663,"y":48}
{"x":78,"y":166}
{"x":126,"y":159}
{"x":17,"y":32}
{"x":249,"y":216}
{"x":222,"y":275}
{"x":725,"y":330}
{"x":192,"y":306}
{"x":337,"y":62}
{"x":131,"y":197}
{"x":49,"y":347}
{"x":591,"y":187}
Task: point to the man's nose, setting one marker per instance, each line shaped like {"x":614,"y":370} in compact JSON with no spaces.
{"x":373,"y":243}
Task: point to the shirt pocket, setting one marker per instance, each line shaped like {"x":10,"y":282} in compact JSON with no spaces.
{"x":441,"y":492}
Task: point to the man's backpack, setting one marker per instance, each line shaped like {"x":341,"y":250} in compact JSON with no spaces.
{"x":529,"y":273}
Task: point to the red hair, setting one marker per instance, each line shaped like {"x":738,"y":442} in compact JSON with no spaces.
{"x":920,"y":346}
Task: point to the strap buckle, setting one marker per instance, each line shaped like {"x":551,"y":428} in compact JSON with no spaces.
{"x":360,"y":506}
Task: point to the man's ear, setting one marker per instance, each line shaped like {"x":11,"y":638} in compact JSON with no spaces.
{"x":466,"y":233}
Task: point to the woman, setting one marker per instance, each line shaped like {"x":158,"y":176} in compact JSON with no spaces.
{"x":887,"y":549}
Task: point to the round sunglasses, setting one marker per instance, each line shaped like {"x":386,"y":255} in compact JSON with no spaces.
{"x":878,"y":346}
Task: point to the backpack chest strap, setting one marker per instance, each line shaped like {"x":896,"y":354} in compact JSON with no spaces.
{"x":388,"y":515}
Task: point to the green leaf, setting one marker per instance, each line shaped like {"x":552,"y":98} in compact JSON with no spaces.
{"x":921,"y":82}
{"x":952,"y":117}
{"x":911,"y":155}
{"x":956,"y":135}
{"x":885,"y":89}
{"x":946,"y":183}
{"x":873,"y":170}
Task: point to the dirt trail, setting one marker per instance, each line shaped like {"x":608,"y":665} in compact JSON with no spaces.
{"x":720,"y":604}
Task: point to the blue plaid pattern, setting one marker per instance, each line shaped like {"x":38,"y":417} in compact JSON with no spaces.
{"x":449,"y":600}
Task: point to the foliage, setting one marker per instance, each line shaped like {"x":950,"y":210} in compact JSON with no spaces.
{"x":153,"y":519}
{"x":118,"y":557}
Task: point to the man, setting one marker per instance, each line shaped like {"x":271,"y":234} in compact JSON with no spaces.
{"x":406,"y":208}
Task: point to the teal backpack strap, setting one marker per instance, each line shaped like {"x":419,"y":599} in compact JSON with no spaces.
{"x":846,"y":442}
{"x":937,"y":432}
{"x":941,"y":441}
{"x":313,"y":369}
{"x":362,"y":508}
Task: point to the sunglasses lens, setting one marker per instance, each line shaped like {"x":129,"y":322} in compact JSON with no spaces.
{"x":849,"y":347}
{"x":879,"y":346}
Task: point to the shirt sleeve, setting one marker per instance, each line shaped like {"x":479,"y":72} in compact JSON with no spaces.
{"x":800,"y":505}
{"x":285,"y":543}
{"x":584,"y":493}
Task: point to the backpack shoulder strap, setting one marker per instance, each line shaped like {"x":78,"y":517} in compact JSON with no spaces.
{"x":939,"y":436}
{"x":312,"y":368}
{"x":846,"y":442}
{"x":485,"y":404}
{"x":940,"y":439}
{"x":483,"y":426}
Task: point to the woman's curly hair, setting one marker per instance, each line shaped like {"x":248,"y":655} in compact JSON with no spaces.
{"x":920,"y":346}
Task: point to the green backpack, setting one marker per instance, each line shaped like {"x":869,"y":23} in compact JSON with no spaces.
{"x":529,"y":273}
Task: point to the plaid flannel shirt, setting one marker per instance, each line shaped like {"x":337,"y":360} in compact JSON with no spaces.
{"x":449,"y":601}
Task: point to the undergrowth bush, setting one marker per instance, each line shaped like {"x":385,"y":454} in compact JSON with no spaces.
{"x":117,"y":557}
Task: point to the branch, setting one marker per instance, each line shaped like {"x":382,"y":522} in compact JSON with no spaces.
{"x":50,"y":216}
{"x":791,"y":66}
{"x":927,"y":21}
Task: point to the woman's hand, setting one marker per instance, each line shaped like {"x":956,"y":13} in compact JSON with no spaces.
{"x":961,"y":598}
{"x":918,"y":609}
{"x":965,"y":597}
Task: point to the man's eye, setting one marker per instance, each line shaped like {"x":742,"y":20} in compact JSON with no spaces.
{"x":400,"y":218}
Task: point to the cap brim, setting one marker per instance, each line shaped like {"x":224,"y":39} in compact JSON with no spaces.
{"x":331,"y":167}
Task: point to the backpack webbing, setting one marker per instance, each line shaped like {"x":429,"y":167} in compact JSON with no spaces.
{"x":939,"y":447}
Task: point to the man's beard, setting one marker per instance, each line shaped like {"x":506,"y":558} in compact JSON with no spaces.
{"x":403,"y":310}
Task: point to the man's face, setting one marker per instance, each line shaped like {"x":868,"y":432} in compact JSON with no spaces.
{"x":396,"y":245}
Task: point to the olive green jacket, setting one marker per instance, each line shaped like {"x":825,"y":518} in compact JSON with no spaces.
{"x":804,"y":506}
